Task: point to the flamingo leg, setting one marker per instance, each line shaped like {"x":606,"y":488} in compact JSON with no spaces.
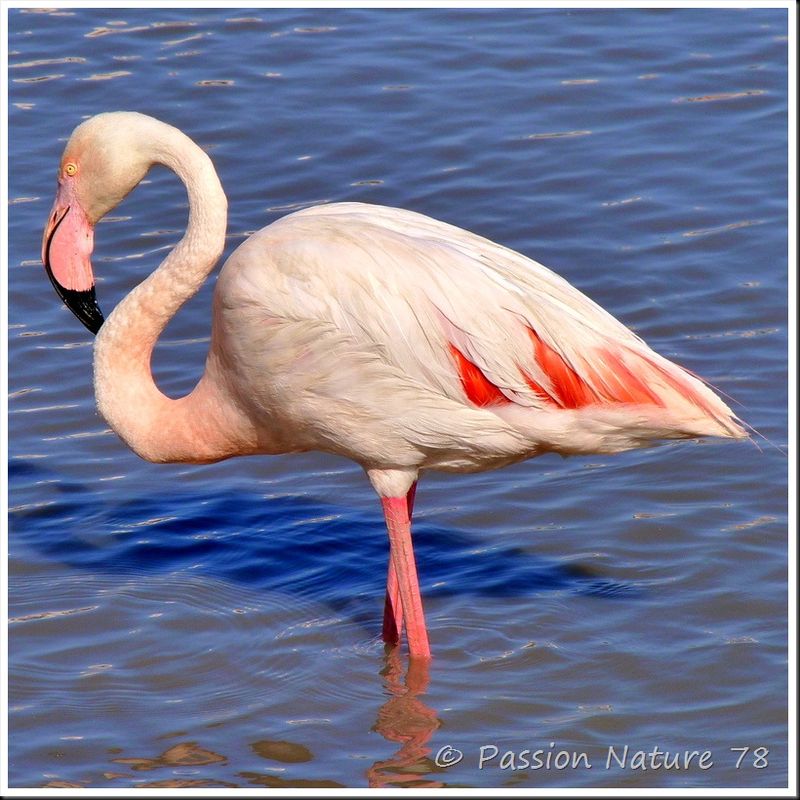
{"x":393,"y":607}
{"x":398,"y":523}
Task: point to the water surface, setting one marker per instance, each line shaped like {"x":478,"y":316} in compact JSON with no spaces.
{"x":218,"y":625}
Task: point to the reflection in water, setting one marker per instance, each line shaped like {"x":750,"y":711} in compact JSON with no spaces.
{"x":184,"y":783}
{"x":405,"y":719}
{"x":276,"y":782}
{"x":184,"y":754}
{"x":181,"y":755}
{"x":285,"y":752}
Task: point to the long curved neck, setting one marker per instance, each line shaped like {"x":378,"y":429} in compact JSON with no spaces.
{"x":200,"y":427}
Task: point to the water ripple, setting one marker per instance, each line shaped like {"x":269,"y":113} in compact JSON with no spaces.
{"x":218,"y":626}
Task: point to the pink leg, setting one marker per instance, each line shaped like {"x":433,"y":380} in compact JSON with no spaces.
{"x":392,"y":607}
{"x":398,"y":523}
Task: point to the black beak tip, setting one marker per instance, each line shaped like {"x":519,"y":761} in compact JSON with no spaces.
{"x":84,"y":306}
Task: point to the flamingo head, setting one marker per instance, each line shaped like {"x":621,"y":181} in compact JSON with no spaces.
{"x":105,"y":158}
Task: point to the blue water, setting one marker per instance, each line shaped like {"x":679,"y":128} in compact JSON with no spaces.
{"x":218,"y":625}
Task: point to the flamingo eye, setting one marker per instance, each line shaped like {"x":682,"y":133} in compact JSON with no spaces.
{"x":70,"y":168}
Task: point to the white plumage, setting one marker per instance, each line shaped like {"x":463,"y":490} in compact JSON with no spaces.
{"x":378,"y":295}
{"x":374,"y":333}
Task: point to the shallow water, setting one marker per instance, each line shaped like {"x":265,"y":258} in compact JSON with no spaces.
{"x":218,"y":625}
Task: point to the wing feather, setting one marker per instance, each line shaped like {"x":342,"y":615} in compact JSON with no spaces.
{"x":468,"y":318}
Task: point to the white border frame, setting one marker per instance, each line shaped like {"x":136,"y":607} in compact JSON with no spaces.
{"x":791,"y":791}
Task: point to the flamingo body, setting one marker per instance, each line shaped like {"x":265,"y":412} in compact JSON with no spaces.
{"x":375,"y":333}
{"x":404,"y":342}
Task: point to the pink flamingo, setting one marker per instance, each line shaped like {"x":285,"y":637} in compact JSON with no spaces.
{"x":375,"y":333}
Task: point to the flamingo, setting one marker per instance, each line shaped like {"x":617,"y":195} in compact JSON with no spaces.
{"x":379,"y":334}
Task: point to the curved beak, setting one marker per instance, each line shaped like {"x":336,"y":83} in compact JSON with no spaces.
{"x":67,"y":246}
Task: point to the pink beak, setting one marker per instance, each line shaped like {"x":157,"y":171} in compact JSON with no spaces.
{"x":67,"y":246}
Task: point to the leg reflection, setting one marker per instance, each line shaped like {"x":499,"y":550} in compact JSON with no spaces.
{"x":405,"y":719}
